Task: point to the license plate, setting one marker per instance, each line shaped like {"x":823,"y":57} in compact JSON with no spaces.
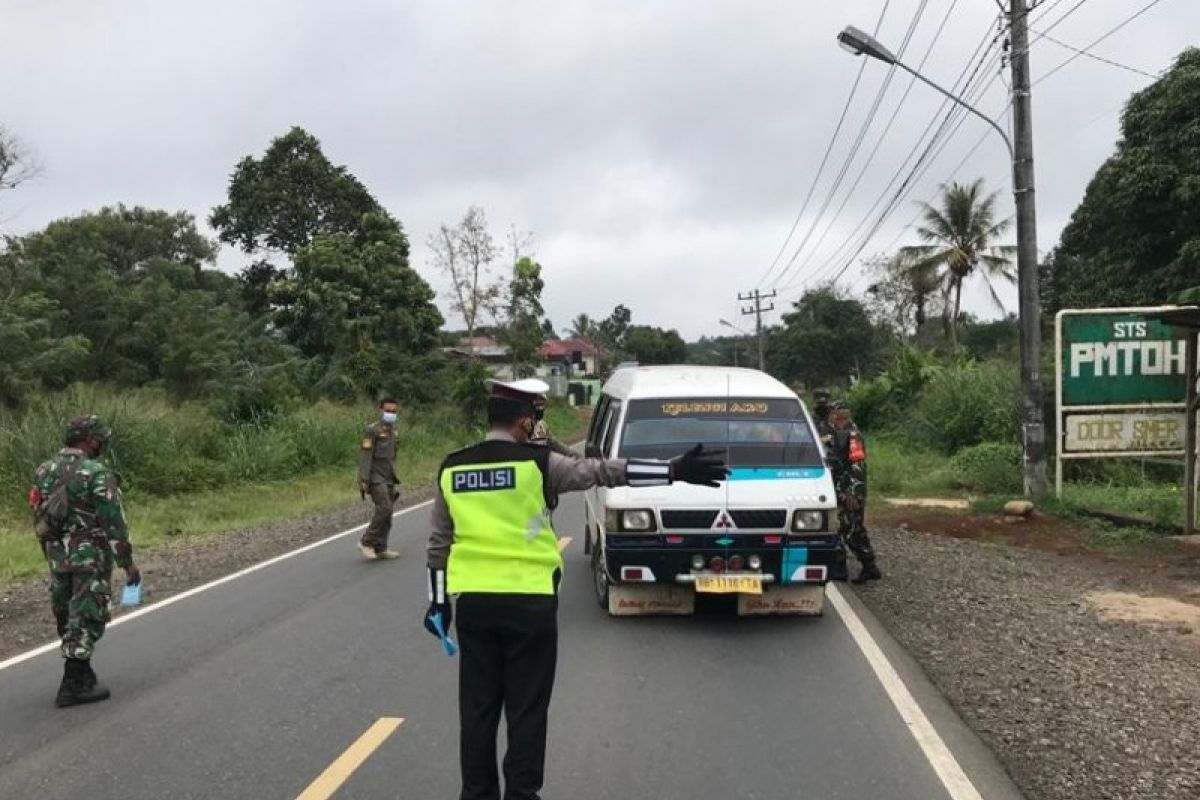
{"x":729,"y":584}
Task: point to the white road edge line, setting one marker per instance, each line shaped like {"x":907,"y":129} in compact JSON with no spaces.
{"x":204,"y":587}
{"x":948,"y":770}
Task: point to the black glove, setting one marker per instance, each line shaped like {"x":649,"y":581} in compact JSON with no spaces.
{"x":439,"y":602}
{"x":699,"y":466}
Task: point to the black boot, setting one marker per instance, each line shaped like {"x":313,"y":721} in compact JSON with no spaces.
{"x":870,"y":572}
{"x":79,"y":685}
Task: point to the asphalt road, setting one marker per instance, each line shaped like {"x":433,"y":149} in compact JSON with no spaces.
{"x":253,"y":689}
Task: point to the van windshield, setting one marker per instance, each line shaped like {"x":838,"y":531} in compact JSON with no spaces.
{"x":754,"y":432}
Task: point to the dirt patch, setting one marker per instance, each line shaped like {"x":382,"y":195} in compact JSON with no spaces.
{"x":1155,"y":611}
{"x":188,"y":561}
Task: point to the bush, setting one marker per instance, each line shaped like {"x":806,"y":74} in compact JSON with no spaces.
{"x":965,"y":404}
{"x":880,"y":403}
{"x":991,"y":467}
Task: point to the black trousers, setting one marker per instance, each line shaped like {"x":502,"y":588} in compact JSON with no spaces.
{"x":508,"y":649}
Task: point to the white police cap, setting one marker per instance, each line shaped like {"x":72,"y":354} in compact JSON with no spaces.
{"x":525,"y":389}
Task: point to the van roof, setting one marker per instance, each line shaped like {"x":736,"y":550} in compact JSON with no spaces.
{"x":635,"y":383}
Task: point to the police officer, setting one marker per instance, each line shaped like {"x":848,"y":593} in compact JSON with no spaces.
{"x":850,"y":483}
{"x":541,"y":430}
{"x":377,"y":477}
{"x":81,"y":527}
{"x":492,"y":545}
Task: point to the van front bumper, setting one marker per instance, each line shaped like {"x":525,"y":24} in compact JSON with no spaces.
{"x":783,"y":562}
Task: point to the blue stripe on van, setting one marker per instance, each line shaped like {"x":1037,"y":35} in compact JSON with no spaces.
{"x":775,"y":473}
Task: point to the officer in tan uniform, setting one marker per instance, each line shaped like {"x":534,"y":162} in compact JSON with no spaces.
{"x":377,"y":477}
{"x":541,"y":430}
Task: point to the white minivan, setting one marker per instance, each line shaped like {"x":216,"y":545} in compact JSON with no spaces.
{"x":767,"y":535}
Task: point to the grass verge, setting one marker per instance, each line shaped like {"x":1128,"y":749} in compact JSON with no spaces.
{"x":156,"y":519}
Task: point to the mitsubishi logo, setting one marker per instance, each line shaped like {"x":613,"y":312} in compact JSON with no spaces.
{"x":723,"y":522}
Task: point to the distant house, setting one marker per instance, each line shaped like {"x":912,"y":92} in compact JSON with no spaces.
{"x":571,"y":357}
{"x":486,"y":351}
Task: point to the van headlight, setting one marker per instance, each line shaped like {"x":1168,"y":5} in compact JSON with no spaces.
{"x":808,"y":521}
{"x":630,"y":520}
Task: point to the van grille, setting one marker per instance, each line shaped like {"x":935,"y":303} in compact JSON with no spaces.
{"x":751,"y":519}
{"x":683,"y":520}
{"x":773,"y":519}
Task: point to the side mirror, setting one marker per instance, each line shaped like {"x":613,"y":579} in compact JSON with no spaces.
{"x":593,"y":451}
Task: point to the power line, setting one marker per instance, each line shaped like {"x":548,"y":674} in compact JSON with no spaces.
{"x":828,"y":150}
{"x":968,"y":74}
{"x":879,"y":142}
{"x":854,"y":148}
{"x":904,"y":191}
{"x":1085,"y":50}
{"x":1095,"y":57}
{"x":983,"y":56}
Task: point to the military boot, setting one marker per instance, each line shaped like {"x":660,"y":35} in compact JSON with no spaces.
{"x":870,"y":572}
{"x":79,"y":685}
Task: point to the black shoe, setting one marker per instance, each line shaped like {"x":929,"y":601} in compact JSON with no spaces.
{"x":869,"y":572}
{"x":79,"y":685}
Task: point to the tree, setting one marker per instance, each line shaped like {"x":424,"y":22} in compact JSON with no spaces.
{"x":582,"y":327}
{"x":123,"y":296}
{"x":256,"y":281}
{"x":902,"y":297}
{"x":1135,"y":238}
{"x":548,"y":329}
{"x":466,"y":252}
{"x":959,"y":240}
{"x":827,"y":338}
{"x":355,"y":306}
{"x":115,"y":275}
{"x":35,"y":357}
{"x":611,"y":331}
{"x":18,"y":163}
{"x":650,"y":345}
{"x":293,"y":194}
{"x":522,"y":331}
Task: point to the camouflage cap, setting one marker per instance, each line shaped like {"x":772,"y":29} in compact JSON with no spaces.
{"x":87,"y":425}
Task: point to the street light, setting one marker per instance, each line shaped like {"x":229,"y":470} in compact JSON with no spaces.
{"x":860,"y":43}
{"x":745,"y":333}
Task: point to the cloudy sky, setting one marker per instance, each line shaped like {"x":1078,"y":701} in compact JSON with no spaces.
{"x":659,"y":150}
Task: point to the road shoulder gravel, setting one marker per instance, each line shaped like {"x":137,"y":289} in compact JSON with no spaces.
{"x":1075,"y":705}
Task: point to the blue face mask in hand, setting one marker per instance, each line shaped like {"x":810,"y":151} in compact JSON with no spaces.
{"x":389,"y":417}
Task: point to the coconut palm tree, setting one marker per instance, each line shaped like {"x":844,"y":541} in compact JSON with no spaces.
{"x":582,"y":327}
{"x":958,"y":243}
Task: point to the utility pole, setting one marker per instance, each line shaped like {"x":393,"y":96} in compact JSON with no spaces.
{"x":1033,"y":424}
{"x":757,"y":310}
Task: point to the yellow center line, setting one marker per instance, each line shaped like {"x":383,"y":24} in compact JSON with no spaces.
{"x":564,"y":543}
{"x":340,"y":770}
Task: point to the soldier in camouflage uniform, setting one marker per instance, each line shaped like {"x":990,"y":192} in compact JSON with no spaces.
{"x":541,"y":431}
{"x":849,"y":458}
{"x":81,"y":548}
{"x":821,"y":418}
{"x":377,"y":477}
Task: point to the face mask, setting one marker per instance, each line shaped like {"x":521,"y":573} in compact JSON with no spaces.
{"x":389,"y":417}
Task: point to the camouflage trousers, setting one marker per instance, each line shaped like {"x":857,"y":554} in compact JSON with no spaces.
{"x":80,"y":590}
{"x":853,"y":530}
{"x":384,"y":497}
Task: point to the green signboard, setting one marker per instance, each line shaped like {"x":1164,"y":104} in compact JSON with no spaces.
{"x":1119,"y":358}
